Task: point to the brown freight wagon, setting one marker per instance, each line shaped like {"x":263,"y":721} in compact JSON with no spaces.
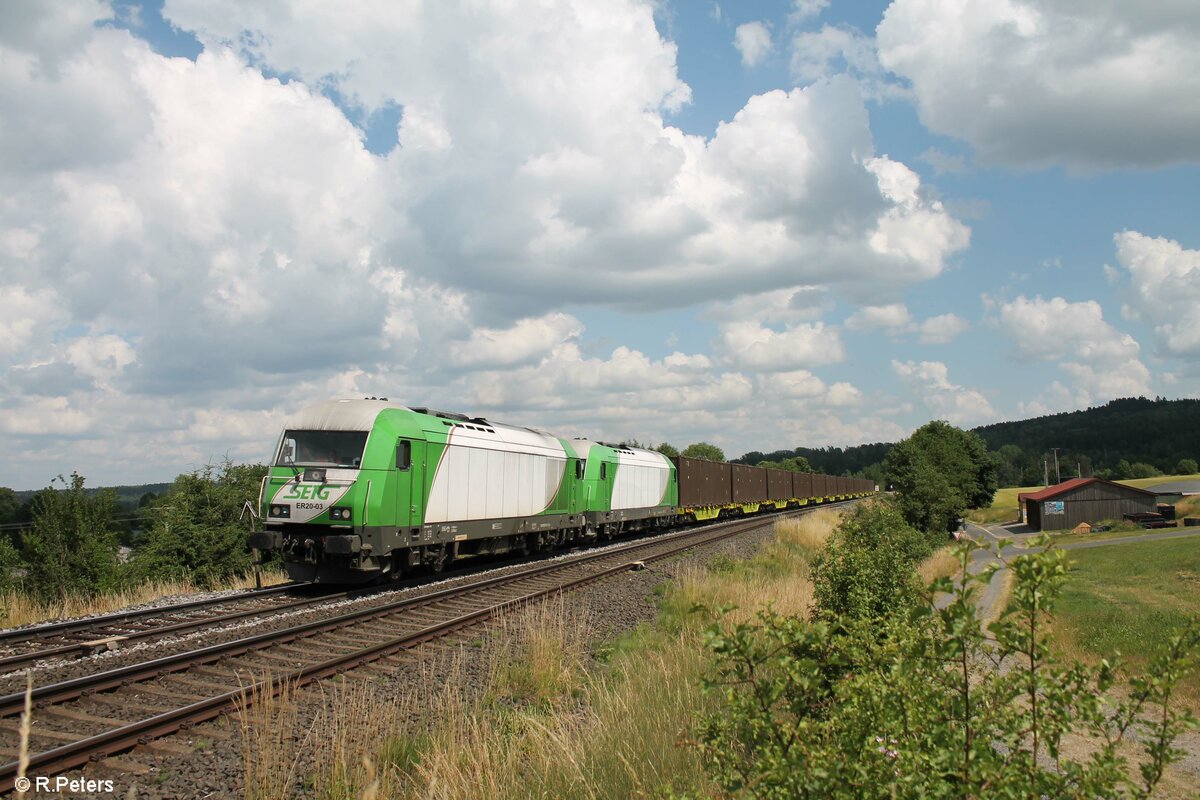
{"x":779,"y":484}
{"x":749,"y":484}
{"x":820,"y":483}
{"x":802,"y":484}
{"x":704,"y":483}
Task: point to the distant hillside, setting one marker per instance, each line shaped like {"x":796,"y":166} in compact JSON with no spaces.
{"x":126,"y":495}
{"x":1133,"y":430}
{"x":1118,"y":439}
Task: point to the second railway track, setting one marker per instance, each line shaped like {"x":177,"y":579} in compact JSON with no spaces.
{"x":89,"y":718}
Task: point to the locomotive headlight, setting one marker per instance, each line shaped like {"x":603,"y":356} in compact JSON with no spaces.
{"x":340,"y":513}
{"x":281,"y":511}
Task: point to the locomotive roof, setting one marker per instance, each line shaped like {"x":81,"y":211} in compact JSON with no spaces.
{"x":340,"y":415}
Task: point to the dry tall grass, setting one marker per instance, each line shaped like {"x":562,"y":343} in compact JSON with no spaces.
{"x":810,"y":531}
{"x":19,"y":608}
{"x":549,"y":722}
{"x":941,"y":564}
{"x":621,"y":737}
{"x":272,"y":741}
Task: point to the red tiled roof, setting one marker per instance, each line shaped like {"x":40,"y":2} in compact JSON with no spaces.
{"x":1074,"y":483}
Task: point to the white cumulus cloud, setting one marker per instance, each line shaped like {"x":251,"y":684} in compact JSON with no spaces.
{"x":1165,"y":278}
{"x":959,"y":405}
{"x":1101,"y":362}
{"x":753,"y":41}
{"x":1041,"y":82}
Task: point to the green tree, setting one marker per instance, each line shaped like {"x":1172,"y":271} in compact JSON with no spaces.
{"x":10,"y":505}
{"x":195,"y":531}
{"x":1187,"y":466}
{"x":10,"y":559}
{"x":938,"y":473}
{"x":704,"y":451}
{"x":1142,"y":470}
{"x":911,"y":705}
{"x":793,"y":464}
{"x":1010,"y":463}
{"x":866,"y":569}
{"x":70,"y":547}
{"x":667,"y":450}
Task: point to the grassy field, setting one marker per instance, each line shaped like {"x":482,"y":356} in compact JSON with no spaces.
{"x":1004,"y":505}
{"x":559,"y":716}
{"x":1129,"y":599}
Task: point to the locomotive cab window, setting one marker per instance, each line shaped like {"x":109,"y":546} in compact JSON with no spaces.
{"x":403,"y":455}
{"x":327,"y":449}
{"x":603,"y":470}
{"x":580,"y":465}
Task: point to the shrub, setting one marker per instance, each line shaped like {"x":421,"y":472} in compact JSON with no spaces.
{"x":866,"y":569}
{"x":196,"y":531}
{"x":910,"y":705}
{"x":69,"y":547}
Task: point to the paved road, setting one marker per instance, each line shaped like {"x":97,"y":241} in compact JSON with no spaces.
{"x":1010,"y":543}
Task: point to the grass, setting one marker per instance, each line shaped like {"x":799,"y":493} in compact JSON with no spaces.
{"x":1130,"y":600}
{"x":270,"y":747}
{"x":1004,"y":504}
{"x":560,"y":716}
{"x":942,"y":563}
{"x":18,"y":608}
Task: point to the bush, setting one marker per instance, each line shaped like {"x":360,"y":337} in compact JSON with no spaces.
{"x":69,"y":547}
{"x":867,"y":568}
{"x":911,"y":705}
{"x":1187,"y":466}
{"x":196,"y":528}
{"x":1142,"y":470}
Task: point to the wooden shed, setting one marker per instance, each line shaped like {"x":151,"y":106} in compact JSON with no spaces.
{"x":1078,"y":500}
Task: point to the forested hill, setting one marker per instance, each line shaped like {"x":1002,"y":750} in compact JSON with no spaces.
{"x":1135,"y":430}
{"x":1125,"y":438}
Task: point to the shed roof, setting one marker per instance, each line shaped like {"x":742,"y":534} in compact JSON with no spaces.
{"x":1066,"y":486}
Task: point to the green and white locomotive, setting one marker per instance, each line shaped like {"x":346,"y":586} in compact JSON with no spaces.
{"x":360,"y":489}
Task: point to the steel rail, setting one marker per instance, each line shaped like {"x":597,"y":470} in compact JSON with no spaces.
{"x":96,"y":747}
{"x":72,"y":625}
{"x":9,"y":663}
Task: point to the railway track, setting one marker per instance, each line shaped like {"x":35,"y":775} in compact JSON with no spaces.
{"x":89,"y":718}
{"x":80,"y":637}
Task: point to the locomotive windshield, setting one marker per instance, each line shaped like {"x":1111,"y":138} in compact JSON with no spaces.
{"x":322,"y":449}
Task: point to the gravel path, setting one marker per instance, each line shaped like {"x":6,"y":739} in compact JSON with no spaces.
{"x":206,"y":762}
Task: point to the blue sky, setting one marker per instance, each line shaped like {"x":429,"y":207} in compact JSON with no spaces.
{"x":762,"y":224}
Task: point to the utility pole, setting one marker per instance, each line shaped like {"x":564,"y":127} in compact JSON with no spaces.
{"x":1045,"y":472}
{"x":1057,"y":477}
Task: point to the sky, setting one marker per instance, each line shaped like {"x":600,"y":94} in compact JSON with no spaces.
{"x":759,"y":224}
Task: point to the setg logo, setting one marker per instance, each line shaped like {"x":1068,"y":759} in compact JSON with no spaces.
{"x":310,"y":491}
{"x":308,"y":500}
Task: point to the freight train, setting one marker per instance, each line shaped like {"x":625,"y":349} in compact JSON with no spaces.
{"x":359,"y":490}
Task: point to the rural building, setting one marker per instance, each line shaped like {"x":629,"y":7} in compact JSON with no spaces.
{"x":1090,"y":500}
